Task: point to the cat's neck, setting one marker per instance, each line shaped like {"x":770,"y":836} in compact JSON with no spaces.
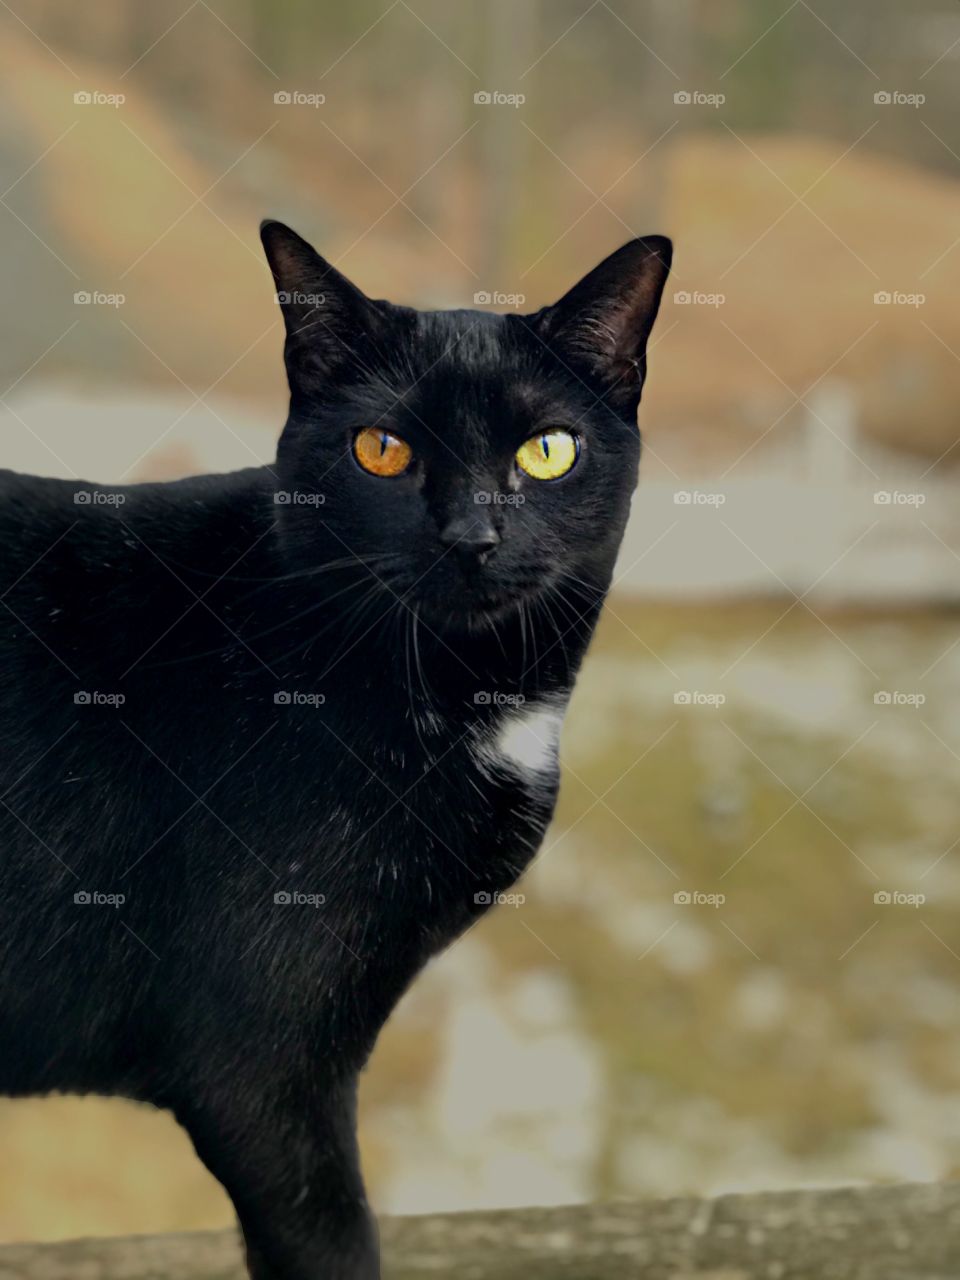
{"x":343,"y":625}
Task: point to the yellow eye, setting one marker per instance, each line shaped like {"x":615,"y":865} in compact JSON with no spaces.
{"x":381,"y":453}
{"x":548,"y":456}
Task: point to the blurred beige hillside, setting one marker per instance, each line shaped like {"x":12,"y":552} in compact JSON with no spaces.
{"x":782,"y":243}
{"x":110,"y":201}
{"x":799,"y":286}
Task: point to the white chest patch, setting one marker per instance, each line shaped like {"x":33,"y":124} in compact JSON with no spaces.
{"x":525,"y":740}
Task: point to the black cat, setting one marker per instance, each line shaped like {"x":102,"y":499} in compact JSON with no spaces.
{"x":272,"y":739}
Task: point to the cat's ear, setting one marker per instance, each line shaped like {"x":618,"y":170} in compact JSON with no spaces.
{"x":329,"y":321}
{"x":605,"y":320}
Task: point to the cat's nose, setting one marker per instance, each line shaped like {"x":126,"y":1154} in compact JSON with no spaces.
{"x":472,"y":538}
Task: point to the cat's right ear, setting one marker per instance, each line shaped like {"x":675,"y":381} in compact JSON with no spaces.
{"x":329,"y":321}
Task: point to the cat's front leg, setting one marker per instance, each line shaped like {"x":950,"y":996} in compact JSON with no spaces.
{"x":286,"y":1152}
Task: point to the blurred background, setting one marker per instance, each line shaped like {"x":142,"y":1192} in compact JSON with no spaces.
{"x":737,"y":964}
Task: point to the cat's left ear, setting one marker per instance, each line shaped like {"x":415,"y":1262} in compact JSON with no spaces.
{"x":329,"y":321}
{"x":605,"y":320}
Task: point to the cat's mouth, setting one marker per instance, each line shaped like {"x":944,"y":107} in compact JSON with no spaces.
{"x":450,"y":596}
{"x":474,"y":604}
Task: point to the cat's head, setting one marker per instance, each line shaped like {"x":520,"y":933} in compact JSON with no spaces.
{"x":467,"y":459}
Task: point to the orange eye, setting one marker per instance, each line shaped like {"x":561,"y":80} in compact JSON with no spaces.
{"x":381,"y":453}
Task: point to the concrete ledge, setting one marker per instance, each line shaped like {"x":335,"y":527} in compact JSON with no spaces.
{"x":909,"y":1232}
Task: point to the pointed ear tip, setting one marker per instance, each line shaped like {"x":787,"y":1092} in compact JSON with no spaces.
{"x":270,"y":227}
{"x":658,"y":247}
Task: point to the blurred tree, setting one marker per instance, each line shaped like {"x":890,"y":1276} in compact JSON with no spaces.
{"x":511,"y":43}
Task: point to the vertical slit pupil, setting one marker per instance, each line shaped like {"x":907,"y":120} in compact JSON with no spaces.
{"x":383,"y":443}
{"x":545,"y":446}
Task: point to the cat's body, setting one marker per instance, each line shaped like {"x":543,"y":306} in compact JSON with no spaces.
{"x":437,"y":814}
{"x":273,"y":739}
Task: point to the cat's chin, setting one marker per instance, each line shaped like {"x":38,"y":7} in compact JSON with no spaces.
{"x":474,"y":615}
{"x":476,"y":620}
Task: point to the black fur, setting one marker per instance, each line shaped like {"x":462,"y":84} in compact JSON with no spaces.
{"x":381,"y":608}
